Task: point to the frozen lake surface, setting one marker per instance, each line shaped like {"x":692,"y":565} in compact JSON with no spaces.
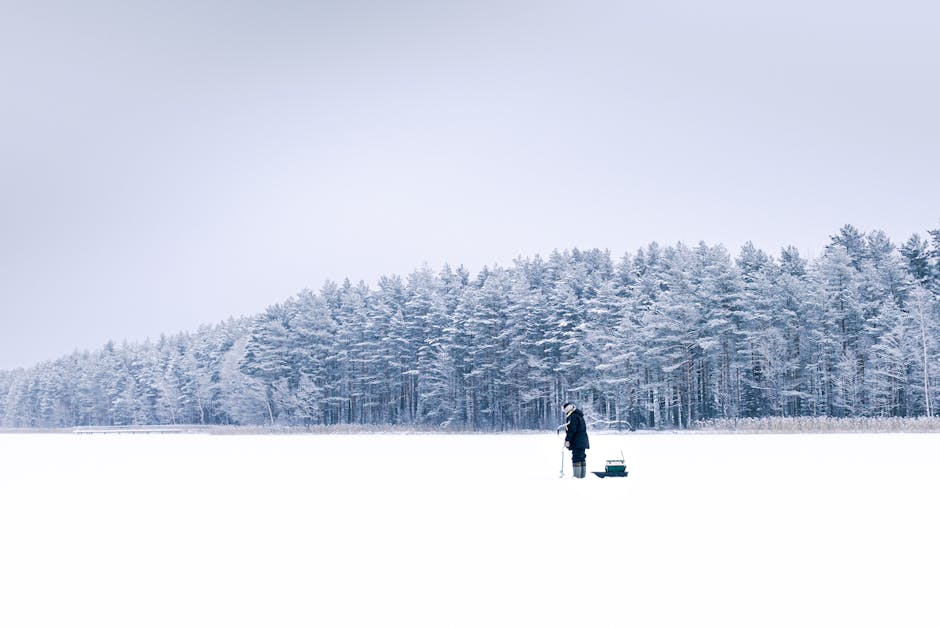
{"x":468,"y":530}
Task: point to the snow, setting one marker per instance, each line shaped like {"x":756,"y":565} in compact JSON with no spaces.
{"x":467,"y":530}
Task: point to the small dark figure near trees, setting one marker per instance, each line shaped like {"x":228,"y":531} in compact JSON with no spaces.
{"x":576,"y":439}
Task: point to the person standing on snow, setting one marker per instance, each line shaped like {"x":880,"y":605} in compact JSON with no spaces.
{"x":576,"y":439}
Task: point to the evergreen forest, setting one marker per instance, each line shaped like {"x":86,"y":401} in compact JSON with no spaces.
{"x":666,"y":337}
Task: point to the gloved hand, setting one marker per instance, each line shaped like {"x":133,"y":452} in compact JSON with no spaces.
{"x":567,"y":444}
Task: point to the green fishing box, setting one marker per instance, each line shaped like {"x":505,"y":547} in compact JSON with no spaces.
{"x":615,"y":466}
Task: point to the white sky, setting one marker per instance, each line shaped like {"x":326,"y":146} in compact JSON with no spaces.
{"x":164,"y":165}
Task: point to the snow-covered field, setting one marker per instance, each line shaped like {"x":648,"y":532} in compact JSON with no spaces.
{"x":468,"y":530}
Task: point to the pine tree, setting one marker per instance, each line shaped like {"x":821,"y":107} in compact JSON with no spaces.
{"x":917,"y":257}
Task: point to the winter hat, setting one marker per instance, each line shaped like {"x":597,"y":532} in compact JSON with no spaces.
{"x":568,"y":408}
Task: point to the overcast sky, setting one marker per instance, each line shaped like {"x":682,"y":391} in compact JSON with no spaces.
{"x":167,"y":164}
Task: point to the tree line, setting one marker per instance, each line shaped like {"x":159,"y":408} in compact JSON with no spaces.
{"x":666,"y":337}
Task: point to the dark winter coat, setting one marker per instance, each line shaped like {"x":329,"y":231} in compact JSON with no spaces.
{"x":576,"y":431}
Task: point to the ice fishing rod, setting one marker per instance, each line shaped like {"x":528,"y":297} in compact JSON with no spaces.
{"x":561,"y":473}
